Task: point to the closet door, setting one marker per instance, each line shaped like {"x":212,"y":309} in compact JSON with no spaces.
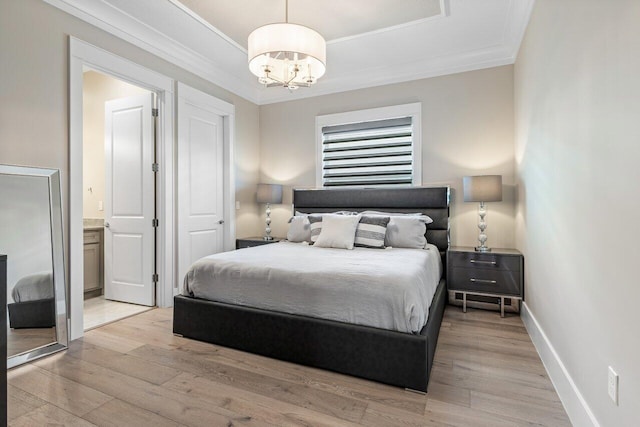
{"x":200,"y":178}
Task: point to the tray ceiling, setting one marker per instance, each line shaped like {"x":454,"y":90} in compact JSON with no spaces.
{"x":370,"y":42}
{"x":334,"y":19}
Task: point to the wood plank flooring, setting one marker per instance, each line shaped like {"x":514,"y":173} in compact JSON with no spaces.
{"x":134,"y":372}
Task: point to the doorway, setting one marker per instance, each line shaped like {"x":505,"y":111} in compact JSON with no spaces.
{"x":119,"y":198}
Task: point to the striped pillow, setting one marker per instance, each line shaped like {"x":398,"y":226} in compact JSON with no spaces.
{"x":371,"y":231}
{"x":315,"y":222}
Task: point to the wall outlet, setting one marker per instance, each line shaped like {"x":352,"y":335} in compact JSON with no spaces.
{"x":100,"y":206}
{"x":612,"y":385}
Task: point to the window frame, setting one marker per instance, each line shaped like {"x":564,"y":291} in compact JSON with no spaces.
{"x":413,"y":110}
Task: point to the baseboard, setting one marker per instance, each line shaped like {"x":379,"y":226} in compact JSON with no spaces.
{"x":577,"y":408}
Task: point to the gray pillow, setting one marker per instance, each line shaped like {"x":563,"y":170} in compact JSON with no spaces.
{"x":428,"y":219}
{"x":315,"y":223}
{"x":406,"y":232}
{"x":299,"y":229}
{"x":371,"y":231}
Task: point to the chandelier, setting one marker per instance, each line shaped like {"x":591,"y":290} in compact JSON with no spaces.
{"x":287,"y":55}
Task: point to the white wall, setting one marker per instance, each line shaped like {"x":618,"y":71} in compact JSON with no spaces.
{"x":577,"y":100}
{"x":34,"y":112}
{"x":97,"y":89}
{"x":467,"y":128}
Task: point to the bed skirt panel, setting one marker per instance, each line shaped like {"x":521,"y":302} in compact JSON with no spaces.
{"x":389,"y":357}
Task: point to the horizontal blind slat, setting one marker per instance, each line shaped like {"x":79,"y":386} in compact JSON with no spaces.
{"x":367,"y":143}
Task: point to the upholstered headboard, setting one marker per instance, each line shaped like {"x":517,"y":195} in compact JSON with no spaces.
{"x":432,"y":201}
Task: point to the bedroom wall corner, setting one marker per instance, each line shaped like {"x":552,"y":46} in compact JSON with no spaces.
{"x":576,"y":91}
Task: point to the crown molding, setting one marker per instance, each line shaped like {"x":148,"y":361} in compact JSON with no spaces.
{"x":198,"y":47}
{"x":115,"y":21}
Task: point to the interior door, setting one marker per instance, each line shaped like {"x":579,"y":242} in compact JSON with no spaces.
{"x":130,"y":200}
{"x":200,"y":179}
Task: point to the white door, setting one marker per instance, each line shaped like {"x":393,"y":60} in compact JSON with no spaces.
{"x":200,"y":179}
{"x":130,"y":200}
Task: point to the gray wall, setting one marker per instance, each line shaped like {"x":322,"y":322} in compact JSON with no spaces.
{"x":467,"y":128}
{"x":577,"y":99}
{"x":34,"y":90}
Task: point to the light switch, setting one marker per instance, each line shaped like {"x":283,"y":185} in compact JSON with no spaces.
{"x":100,"y":205}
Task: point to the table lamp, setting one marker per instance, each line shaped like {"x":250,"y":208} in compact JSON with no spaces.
{"x":269,"y":193}
{"x":483,"y":188}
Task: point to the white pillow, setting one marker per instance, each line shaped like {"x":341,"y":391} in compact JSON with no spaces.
{"x":338,"y":231}
{"x":299,"y":229}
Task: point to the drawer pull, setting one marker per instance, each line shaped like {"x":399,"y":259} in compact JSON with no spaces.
{"x":492,"y":282}
{"x":474,"y":261}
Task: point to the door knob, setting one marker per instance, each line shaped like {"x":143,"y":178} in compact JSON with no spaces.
{"x":221,"y":221}
{"x":107,"y":225}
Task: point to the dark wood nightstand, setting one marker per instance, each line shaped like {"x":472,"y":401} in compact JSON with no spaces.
{"x":498,"y":274}
{"x":247,"y":242}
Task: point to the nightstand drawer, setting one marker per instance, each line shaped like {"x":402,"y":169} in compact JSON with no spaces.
{"x":485,"y":281}
{"x":250,"y":242}
{"x":484,"y":261}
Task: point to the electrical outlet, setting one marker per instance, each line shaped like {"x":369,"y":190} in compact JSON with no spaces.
{"x":612,"y":386}
{"x":100,"y":206}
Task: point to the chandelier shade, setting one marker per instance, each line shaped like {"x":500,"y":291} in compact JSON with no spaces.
{"x":288,"y":55}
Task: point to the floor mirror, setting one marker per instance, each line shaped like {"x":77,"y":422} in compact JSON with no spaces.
{"x":31,"y":238}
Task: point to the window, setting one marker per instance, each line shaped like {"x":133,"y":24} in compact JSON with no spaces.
{"x":370,"y":148}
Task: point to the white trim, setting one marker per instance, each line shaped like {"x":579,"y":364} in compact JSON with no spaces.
{"x":413,"y":110}
{"x":228,"y":113}
{"x":228,"y":69}
{"x":82,"y":54}
{"x":574,"y":403}
{"x":118,"y":22}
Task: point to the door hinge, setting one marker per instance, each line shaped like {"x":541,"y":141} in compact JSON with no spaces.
{"x":154,"y":112}
{"x":155,"y":167}
{"x":155,"y":278}
{"x":155,"y":222}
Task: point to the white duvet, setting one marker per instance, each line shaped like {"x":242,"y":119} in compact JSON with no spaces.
{"x":383,"y":288}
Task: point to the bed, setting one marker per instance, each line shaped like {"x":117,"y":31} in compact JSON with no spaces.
{"x":392,"y":352}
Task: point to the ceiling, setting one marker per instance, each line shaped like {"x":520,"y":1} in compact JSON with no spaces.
{"x":334,"y":19}
{"x":370,"y":42}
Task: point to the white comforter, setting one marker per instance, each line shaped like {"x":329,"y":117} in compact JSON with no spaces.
{"x":384,"y":288}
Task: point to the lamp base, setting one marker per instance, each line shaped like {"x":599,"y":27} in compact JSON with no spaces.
{"x":267,"y":238}
{"x":482,"y":249}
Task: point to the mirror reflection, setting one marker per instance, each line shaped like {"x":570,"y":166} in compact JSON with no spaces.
{"x":25,"y":237}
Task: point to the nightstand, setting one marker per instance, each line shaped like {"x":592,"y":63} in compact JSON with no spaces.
{"x":498,"y":274}
{"x":247,"y":242}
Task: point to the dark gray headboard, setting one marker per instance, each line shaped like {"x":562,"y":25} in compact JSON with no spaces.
{"x":432,"y":201}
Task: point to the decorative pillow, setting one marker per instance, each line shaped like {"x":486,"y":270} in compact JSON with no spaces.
{"x":371,"y":231}
{"x":315,"y":225}
{"x":428,"y":219}
{"x":338,"y":231}
{"x":327,"y":213}
{"x":299,"y":229}
{"x":406,"y":232}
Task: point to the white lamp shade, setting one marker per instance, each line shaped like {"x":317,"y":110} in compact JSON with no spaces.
{"x":483,"y":188}
{"x":269,"y":193}
{"x":280,"y":46}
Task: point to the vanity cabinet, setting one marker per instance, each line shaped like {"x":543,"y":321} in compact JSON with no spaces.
{"x":93,"y":263}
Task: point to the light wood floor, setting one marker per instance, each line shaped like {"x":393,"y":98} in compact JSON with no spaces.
{"x":99,"y":311}
{"x":136,"y":373}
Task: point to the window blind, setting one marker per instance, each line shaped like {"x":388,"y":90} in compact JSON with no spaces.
{"x":375,"y":153}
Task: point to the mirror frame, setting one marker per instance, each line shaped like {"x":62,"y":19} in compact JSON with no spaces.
{"x":57,"y":258}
